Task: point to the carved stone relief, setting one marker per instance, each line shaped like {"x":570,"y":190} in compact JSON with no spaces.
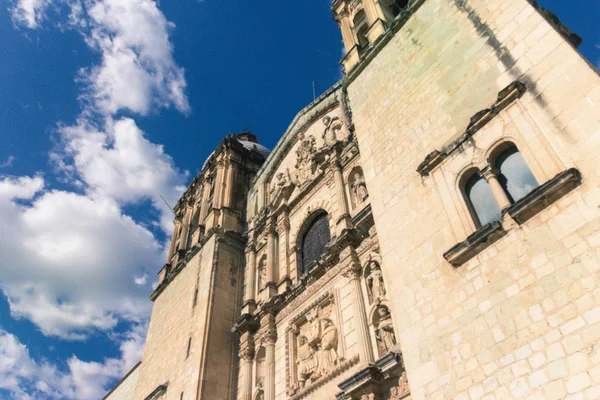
{"x":282,"y":187}
{"x":262,"y":274}
{"x":305,"y":162}
{"x":399,"y":392}
{"x":384,"y":330}
{"x":315,"y":338}
{"x":333,"y":130}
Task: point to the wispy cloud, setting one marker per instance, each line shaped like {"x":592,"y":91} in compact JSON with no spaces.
{"x":8,"y":163}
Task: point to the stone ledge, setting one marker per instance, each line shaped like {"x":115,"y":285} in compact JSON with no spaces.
{"x":344,"y":366}
{"x":158,"y":392}
{"x":506,"y":96}
{"x":474,"y":244}
{"x":372,"y":377}
{"x":544,"y":195}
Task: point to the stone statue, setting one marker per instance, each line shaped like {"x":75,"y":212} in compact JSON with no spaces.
{"x":307,"y":363}
{"x":262,"y":275}
{"x":375,"y":284}
{"x":359,"y":188}
{"x":400,"y":391}
{"x":332,"y":127}
{"x":385,"y":330}
{"x":282,"y":181}
{"x":328,"y":356}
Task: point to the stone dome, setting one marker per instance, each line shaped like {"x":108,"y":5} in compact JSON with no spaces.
{"x":248,"y":140}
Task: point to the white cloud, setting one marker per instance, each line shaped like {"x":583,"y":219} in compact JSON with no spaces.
{"x":29,"y":12}
{"x":68,"y":261}
{"x":25,"y":378}
{"x":122,"y":164}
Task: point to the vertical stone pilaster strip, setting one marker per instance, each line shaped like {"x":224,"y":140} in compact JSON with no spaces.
{"x":246,"y":359}
{"x":173,"y":240}
{"x":269,"y":336}
{"x":353,"y":273}
{"x":187,"y":219}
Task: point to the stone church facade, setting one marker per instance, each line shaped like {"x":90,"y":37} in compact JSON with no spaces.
{"x":428,"y":228}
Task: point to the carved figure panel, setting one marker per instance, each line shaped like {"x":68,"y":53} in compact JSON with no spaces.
{"x":261,"y":274}
{"x":281,"y":187}
{"x":316,"y":338}
{"x":384,"y":329}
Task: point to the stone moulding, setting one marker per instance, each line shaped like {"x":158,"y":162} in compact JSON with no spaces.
{"x":389,"y":366}
{"x":507,"y":96}
{"x":544,"y":195}
{"x":474,"y":244}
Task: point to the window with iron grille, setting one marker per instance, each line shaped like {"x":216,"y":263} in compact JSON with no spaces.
{"x":314,"y":241}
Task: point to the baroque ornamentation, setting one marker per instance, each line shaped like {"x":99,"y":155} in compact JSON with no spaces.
{"x":399,"y":392}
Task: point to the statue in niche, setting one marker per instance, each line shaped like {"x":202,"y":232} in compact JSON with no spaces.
{"x":307,"y":362}
{"x":332,"y":128}
{"x":375,"y":285}
{"x":384,"y":332}
{"x":305,"y":163}
{"x":262,"y":274}
{"x":359,"y":188}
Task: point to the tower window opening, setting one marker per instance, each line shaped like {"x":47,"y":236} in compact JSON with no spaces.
{"x":514,"y":174}
{"x":361,"y":29}
{"x":481,"y":200}
{"x":397,"y":6}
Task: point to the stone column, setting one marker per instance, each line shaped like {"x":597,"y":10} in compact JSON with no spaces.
{"x":219,"y":184}
{"x":347,"y":35}
{"x":271,"y":282}
{"x":205,"y":195}
{"x":353,"y":273}
{"x":283,"y":229}
{"x":249,"y":300}
{"x":269,"y":336}
{"x":246,"y":354}
{"x":229,"y":200}
{"x":343,"y":221}
{"x":187,"y":219}
{"x":490,"y":174}
{"x":177,"y":224}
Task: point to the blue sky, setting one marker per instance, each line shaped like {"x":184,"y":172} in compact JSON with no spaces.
{"x":106,"y":105}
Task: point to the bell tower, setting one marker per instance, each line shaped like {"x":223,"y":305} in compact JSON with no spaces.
{"x":362,"y":22}
{"x":190,"y":349}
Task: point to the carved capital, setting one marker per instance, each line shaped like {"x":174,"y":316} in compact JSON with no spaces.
{"x":247,"y":347}
{"x":268,"y":329}
{"x":489,"y":172}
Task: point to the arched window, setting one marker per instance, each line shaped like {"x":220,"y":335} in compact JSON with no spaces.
{"x":314,"y":241}
{"x":514,"y":175}
{"x":361,"y":28}
{"x":481,"y":200}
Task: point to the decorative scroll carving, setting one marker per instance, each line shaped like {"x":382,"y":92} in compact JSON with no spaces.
{"x":305,"y":161}
{"x":384,"y":330}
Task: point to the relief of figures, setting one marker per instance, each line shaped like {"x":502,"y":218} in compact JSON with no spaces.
{"x":384,"y":330}
{"x":282,"y":185}
{"x":317,"y":347}
{"x":262,"y":274}
{"x":333,"y":127}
